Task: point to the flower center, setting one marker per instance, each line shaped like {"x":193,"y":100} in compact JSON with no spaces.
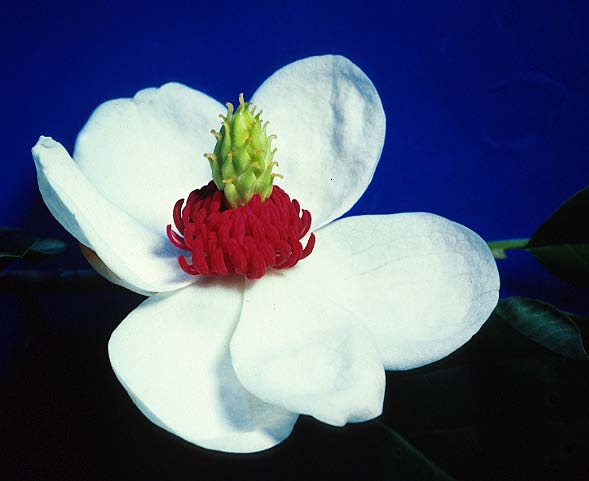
{"x":241,"y":223}
{"x":246,"y":240}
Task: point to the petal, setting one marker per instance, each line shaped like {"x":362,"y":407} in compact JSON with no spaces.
{"x":330,"y":125}
{"x":145,"y":153}
{"x":294,"y":349}
{"x":104,"y":271}
{"x":134,"y":253}
{"x":422,"y":284}
{"x":172,"y":356}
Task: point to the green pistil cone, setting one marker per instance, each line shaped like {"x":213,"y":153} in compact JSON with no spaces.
{"x":242,"y":161}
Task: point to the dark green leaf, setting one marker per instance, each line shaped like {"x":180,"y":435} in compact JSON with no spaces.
{"x":570,"y":262}
{"x":18,"y":244}
{"x":545,"y":324}
{"x":561,"y":244}
{"x":48,"y":247}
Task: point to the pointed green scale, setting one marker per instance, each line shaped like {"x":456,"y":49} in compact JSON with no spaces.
{"x":242,"y":160}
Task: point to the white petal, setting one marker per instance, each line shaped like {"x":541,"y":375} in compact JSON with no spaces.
{"x":330,"y":125}
{"x":295,"y":349}
{"x":140,"y":257}
{"x":172,"y":356}
{"x":104,"y":271}
{"x":423,"y":285}
{"x":145,"y":153}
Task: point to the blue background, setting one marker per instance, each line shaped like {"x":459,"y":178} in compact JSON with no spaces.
{"x":487,"y":105}
{"x":487,"y":102}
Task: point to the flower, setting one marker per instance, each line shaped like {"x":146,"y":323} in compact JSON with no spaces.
{"x":229,"y":363}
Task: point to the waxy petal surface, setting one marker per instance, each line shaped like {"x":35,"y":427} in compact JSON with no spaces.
{"x":330,"y":126}
{"x":172,"y":356}
{"x":421,"y":284}
{"x":297,"y":349}
{"x":140,"y":257}
{"x":109,"y":275}
{"x":145,"y":153}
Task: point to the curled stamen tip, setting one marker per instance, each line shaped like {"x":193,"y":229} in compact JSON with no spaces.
{"x":229,"y":107}
{"x":242,"y":103}
{"x":222,"y":116}
{"x":277,"y":175}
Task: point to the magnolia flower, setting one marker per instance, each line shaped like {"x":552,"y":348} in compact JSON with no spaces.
{"x":229,"y":363}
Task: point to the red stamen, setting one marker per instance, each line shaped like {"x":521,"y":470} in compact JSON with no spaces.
{"x":248,"y":240}
{"x":178,"y":215}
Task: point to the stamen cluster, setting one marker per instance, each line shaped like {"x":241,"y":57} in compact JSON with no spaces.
{"x":246,"y":240}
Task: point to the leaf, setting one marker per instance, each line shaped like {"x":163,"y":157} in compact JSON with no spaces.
{"x":545,"y":324}
{"x":561,"y":244}
{"x":48,"y":246}
{"x":18,"y":244}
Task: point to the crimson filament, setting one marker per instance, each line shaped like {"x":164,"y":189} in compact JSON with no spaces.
{"x":246,"y":240}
